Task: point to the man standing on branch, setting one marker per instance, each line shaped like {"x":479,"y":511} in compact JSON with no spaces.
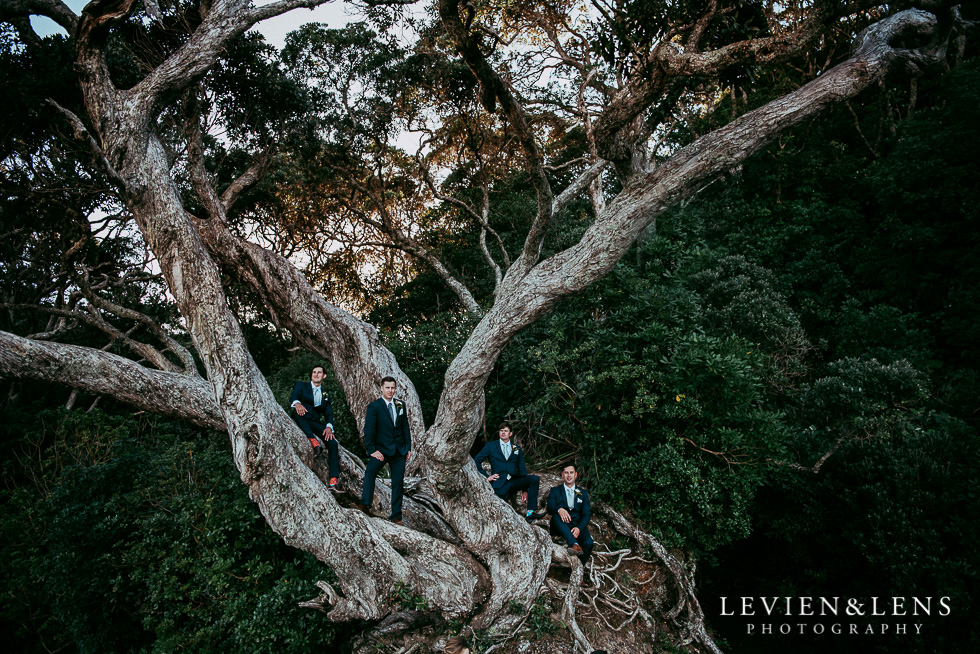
{"x":568,"y":505}
{"x":508,"y":473}
{"x":310,"y":404}
{"x":386,"y":439}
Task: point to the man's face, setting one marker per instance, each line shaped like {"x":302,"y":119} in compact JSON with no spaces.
{"x":568,"y":475}
{"x":505,"y":434}
{"x":388,"y":390}
{"x":317,"y":375}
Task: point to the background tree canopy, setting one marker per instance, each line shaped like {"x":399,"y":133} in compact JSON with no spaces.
{"x":789,"y":311}
{"x":771,"y":368}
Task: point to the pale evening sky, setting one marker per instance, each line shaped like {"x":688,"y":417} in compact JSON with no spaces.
{"x":335,"y":14}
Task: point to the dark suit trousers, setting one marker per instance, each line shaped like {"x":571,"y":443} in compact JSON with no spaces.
{"x":397,"y":466}
{"x":529,"y":483}
{"x":564,"y":529}
{"x":314,"y":431}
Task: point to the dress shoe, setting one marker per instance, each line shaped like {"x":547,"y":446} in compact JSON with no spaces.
{"x":363,"y":508}
{"x":574,"y":549}
{"x":531,"y":515}
{"x":397,"y":521}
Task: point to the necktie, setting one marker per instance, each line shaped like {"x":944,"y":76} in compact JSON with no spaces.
{"x":507,"y":451}
{"x":570,"y":497}
{"x":317,"y":398}
{"x":391,"y":410}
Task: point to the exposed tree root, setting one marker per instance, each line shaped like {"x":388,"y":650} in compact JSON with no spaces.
{"x":693,"y":623}
{"x":568,"y":607}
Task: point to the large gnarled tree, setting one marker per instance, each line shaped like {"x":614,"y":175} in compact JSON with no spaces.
{"x":622,"y":76}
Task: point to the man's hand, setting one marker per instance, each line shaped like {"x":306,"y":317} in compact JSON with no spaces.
{"x":563,"y":514}
{"x":524,"y":497}
{"x":493,"y":477}
{"x":328,"y":434}
{"x":300,"y":409}
{"x":408,"y":457}
{"x":576,"y":531}
{"x":378,"y":455}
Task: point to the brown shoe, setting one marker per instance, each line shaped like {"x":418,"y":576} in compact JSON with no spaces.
{"x":575,"y":549}
{"x":397,"y":521}
{"x":363,"y":508}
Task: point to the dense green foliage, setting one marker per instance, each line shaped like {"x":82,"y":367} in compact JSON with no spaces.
{"x":126,"y":534}
{"x":881,"y":257}
{"x":644,"y":401}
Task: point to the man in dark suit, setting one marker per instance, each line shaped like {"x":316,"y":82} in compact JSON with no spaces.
{"x":507,"y":471}
{"x":568,"y":505}
{"x":310,"y":404}
{"x":387,"y":439}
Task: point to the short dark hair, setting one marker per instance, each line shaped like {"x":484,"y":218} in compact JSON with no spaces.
{"x":504,"y":424}
{"x":385,"y":380}
{"x":569,"y":464}
{"x":456,"y":645}
{"x":320,"y":366}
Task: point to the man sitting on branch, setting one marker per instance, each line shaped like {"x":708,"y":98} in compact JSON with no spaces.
{"x":568,"y":505}
{"x":310,"y":404}
{"x":508,"y":473}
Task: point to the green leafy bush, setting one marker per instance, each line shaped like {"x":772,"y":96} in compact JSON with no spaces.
{"x":135,"y":535}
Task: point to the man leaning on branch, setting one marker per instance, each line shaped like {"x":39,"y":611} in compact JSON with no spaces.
{"x":508,"y":473}
{"x":387,"y":439}
{"x":310,"y":404}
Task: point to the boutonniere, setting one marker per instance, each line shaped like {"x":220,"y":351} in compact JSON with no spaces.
{"x":517,"y":450}
{"x":400,"y":406}
{"x":578,"y":492}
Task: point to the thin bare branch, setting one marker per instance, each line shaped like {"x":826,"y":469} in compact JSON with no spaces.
{"x":154,"y":355}
{"x":568,"y":607}
{"x":247,"y":179}
{"x":403,"y":241}
{"x":581,"y":183}
{"x":815,"y":468}
{"x":495,"y":89}
{"x":83,"y":135}
{"x":481,"y":217}
{"x":669,"y":62}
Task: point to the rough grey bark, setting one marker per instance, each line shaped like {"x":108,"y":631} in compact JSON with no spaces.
{"x":352,"y":346}
{"x":171,"y":394}
{"x":368,"y":558}
{"x":176,"y":395}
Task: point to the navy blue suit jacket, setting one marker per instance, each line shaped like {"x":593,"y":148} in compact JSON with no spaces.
{"x":303,"y":392}
{"x":380,"y":435}
{"x":580,"y":513}
{"x":514,"y":466}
